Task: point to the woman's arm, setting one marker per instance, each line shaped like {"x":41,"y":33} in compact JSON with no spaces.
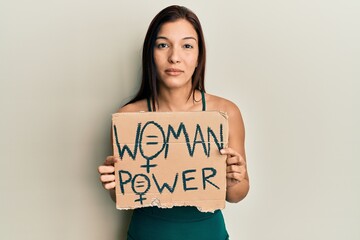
{"x":237,"y":176}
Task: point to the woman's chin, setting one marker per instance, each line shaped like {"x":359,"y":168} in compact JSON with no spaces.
{"x":175,"y":84}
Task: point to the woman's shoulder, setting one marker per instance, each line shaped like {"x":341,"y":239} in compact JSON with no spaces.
{"x":236,"y":123}
{"x":216,"y":103}
{"x":137,"y":106}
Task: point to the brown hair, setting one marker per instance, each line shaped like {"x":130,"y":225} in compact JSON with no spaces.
{"x":149,"y":85}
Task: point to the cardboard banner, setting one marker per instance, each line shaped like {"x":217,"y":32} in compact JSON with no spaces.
{"x":170,"y":159}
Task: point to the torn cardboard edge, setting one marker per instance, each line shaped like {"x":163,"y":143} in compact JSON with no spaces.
{"x":156,"y":203}
{"x":170,"y":159}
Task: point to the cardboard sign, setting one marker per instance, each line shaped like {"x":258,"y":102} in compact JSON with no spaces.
{"x":170,"y":159}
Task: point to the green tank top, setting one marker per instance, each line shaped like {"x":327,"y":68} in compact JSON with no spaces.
{"x":177,"y":223}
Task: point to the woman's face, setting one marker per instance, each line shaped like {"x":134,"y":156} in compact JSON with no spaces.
{"x":176,"y":54}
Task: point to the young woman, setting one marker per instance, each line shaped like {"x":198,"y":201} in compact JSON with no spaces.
{"x":173,"y":80}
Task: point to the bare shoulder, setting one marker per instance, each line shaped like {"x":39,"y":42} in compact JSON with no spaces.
{"x":216,"y":103}
{"x":137,"y":106}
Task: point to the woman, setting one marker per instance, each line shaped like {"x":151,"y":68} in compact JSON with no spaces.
{"x":173,"y":80}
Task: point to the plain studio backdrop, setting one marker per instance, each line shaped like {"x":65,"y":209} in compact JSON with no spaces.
{"x":293,"y":68}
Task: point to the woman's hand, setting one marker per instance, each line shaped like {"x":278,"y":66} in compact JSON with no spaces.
{"x":235,"y":167}
{"x":106,"y":171}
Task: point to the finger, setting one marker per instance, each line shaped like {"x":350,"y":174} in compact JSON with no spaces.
{"x":229,"y":151}
{"x":109,"y":185}
{"x":236,"y":169}
{"x":107,"y":178}
{"x":106,"y":169}
{"x":110,"y":160}
{"x":233,"y":168}
{"x":233,"y":161}
{"x":235,"y":176}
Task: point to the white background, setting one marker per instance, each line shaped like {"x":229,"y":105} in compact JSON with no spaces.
{"x":293,"y":68}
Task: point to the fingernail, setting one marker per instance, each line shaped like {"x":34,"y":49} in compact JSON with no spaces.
{"x":222,"y":151}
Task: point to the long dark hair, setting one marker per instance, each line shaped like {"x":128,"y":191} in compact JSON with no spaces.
{"x":149,"y":85}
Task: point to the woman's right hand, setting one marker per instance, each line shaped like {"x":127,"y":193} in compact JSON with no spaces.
{"x":107,"y":176}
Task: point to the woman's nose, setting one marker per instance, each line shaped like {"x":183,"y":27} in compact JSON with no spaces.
{"x":174,"y":56}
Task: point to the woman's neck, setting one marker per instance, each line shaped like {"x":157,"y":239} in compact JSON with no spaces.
{"x":178,"y":100}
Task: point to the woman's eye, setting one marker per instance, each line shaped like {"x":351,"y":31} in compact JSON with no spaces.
{"x":189,"y":46}
{"x":162,"y":45}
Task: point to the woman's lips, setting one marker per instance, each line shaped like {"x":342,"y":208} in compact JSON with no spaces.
{"x":173,"y":71}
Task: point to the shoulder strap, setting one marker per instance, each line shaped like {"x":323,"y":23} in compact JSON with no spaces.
{"x":148,"y":104}
{"x":203,"y":100}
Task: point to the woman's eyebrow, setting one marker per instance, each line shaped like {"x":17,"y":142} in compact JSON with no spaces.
{"x":161,"y":37}
{"x":185,"y":38}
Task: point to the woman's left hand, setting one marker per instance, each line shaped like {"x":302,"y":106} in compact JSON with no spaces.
{"x":235,"y":167}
